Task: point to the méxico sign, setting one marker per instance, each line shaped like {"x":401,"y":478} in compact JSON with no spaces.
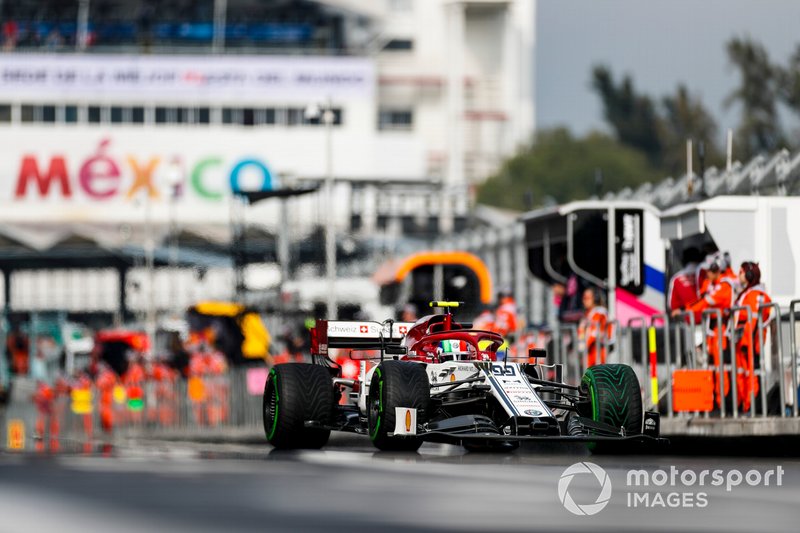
{"x":105,"y":174}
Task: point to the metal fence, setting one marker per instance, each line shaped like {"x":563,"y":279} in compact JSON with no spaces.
{"x":660,"y":348}
{"x":84,"y":416}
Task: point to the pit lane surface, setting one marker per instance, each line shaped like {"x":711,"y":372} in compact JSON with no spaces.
{"x":176,"y":486}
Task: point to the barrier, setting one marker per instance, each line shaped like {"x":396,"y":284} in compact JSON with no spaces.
{"x":776,"y":319}
{"x":793,"y":348}
{"x":86,"y":419}
{"x":664,"y":318}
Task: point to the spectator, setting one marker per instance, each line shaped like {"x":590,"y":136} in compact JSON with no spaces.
{"x":10,"y":35}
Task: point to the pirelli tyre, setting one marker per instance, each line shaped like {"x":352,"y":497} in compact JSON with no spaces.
{"x":296,"y":393}
{"x":614,"y":397}
{"x":396,"y":384}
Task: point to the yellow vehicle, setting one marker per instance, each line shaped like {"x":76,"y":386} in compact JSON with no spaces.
{"x":235,"y":330}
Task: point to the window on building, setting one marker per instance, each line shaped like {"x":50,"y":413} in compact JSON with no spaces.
{"x":270,"y":116}
{"x":399,"y":45}
{"x":118,"y":114}
{"x":295,"y":116}
{"x":395,"y":119}
{"x":202,"y":115}
{"x":48,"y":113}
{"x":161,"y":115}
{"x":248,"y":116}
{"x":26,"y":113}
{"x":94,"y":115}
{"x":5,"y":113}
{"x":70,"y":114}
{"x":137,"y":115}
{"x":231,"y":115}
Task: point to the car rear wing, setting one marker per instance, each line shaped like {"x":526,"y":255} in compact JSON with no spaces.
{"x":357,"y":335}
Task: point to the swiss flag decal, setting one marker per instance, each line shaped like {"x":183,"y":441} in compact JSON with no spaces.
{"x":402,"y":329}
{"x":363,"y":329}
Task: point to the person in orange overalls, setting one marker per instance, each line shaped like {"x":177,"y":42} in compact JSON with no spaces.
{"x":46,"y":421}
{"x":105,"y":382}
{"x":216,"y":369}
{"x":165,"y":410}
{"x":505,"y":318}
{"x":485,"y":320}
{"x":749,"y":339}
{"x":134,"y":382}
{"x":717,"y":292}
{"x":17,"y":345}
{"x":197,"y":372}
{"x":593,"y":327}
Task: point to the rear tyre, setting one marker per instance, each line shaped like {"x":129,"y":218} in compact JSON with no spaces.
{"x":614,"y":397}
{"x":294,"y":394}
{"x":396,"y":384}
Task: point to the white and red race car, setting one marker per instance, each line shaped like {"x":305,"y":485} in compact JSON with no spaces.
{"x":440,"y":380}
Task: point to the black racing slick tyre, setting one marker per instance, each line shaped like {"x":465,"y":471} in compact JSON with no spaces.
{"x":614,"y":397}
{"x":396,"y":384}
{"x":296,"y":393}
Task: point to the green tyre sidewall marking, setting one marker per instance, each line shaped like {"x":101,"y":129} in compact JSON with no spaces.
{"x":274,"y":377}
{"x":588,"y":378}
{"x":374,"y":434}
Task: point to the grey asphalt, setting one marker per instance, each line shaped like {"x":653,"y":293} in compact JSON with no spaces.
{"x":147,"y":485}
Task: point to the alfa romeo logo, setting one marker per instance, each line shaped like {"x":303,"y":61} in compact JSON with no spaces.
{"x":588,"y":509}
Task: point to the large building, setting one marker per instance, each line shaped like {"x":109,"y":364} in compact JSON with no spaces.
{"x":123,"y":124}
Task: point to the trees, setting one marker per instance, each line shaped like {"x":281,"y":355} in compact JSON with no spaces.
{"x":561,"y":167}
{"x":684,"y":117}
{"x":633,"y":116}
{"x":788,"y":81}
{"x":658,"y":130}
{"x":757,"y":94}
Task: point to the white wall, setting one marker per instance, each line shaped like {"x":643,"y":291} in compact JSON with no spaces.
{"x":498,"y":64}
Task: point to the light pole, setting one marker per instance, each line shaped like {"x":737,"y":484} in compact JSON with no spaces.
{"x":149,"y":251}
{"x":173,"y":177}
{"x":326,"y":115}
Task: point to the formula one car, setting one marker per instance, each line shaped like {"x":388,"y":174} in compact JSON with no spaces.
{"x":440,"y":380}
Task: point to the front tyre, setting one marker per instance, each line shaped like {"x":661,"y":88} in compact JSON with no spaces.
{"x":396,"y":384}
{"x":614,"y":397}
{"x":296,"y":393}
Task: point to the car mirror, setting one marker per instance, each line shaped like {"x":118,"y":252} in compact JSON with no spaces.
{"x":537,"y":353}
{"x":395,"y":350}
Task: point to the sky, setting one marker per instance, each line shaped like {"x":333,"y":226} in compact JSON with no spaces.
{"x":660,"y":43}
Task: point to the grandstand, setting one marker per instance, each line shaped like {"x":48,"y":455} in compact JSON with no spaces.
{"x":126,"y":25}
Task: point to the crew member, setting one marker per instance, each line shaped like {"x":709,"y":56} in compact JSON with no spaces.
{"x":683,"y":289}
{"x":409,"y":313}
{"x":748,"y":337}
{"x":720,"y":261}
{"x":505,"y":320}
{"x":485,"y":320}
{"x":593,"y":327}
